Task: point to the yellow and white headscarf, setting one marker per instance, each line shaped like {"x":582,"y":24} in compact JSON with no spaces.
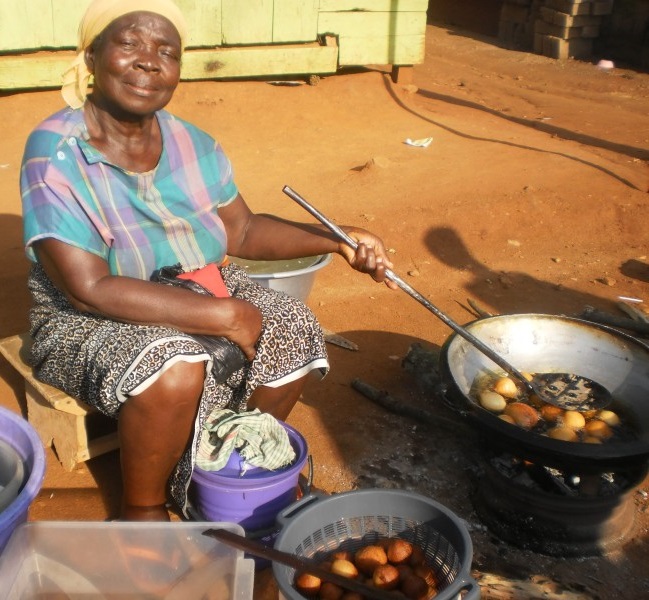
{"x":97,"y":17}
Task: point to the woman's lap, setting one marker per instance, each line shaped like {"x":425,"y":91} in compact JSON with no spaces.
{"x":101,"y":362}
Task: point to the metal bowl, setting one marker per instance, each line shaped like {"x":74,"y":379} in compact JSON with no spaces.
{"x":546,"y":343}
{"x":294,"y":277}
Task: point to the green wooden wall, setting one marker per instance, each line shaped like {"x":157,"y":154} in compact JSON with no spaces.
{"x":228,"y":38}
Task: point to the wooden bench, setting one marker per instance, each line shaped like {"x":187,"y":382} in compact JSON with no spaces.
{"x":77,"y":431}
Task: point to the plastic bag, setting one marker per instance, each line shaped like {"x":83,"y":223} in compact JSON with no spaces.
{"x":227,"y":356}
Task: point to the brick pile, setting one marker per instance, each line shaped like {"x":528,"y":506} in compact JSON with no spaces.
{"x":555,"y":28}
{"x":516,"y":25}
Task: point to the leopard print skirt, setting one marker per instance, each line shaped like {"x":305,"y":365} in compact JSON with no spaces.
{"x":102,"y":362}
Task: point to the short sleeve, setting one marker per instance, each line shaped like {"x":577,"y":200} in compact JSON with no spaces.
{"x":52,"y":204}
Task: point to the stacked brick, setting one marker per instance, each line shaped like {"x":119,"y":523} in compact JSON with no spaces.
{"x":555,"y":28}
{"x":516,"y":25}
{"x":568,"y":28}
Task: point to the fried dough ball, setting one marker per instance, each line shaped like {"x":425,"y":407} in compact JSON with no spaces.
{"x":523,"y":414}
{"x":506,"y":387}
{"x":344,"y":568}
{"x":551,"y":413}
{"x":418,"y":557}
{"x":404,"y":571}
{"x":369,"y":558}
{"x":573,"y":419}
{"x":565,"y":434}
{"x":492,"y":401}
{"x":414,"y":587}
{"x":598,"y":429}
{"x":307,"y":584}
{"x":386,"y":577}
{"x":399,"y":551}
{"x":342,"y":554}
{"x":427,"y":574}
{"x":330,"y":591}
{"x":609,"y":417}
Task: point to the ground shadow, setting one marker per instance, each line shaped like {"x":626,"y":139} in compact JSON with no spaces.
{"x":551,"y":130}
{"x":510,"y":292}
{"x":14,"y":266}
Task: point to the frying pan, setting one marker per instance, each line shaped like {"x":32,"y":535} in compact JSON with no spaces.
{"x":539,"y":341}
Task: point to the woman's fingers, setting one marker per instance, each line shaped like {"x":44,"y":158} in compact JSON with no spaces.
{"x":370,"y":258}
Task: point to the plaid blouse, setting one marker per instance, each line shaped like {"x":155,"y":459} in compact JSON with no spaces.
{"x":137,"y":222}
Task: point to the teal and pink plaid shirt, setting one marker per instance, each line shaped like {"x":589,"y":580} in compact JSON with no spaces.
{"x":137,"y":222}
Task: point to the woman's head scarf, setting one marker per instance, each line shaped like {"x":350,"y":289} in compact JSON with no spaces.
{"x":97,"y":17}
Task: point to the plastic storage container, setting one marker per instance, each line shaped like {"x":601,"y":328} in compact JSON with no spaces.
{"x":143,"y":561}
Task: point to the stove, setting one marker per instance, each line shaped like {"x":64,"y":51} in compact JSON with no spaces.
{"x":555,"y":512}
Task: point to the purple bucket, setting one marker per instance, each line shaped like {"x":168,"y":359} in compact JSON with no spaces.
{"x":254,"y":499}
{"x":22,"y":438}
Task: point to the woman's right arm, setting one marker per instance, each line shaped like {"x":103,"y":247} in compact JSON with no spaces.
{"x":86,"y":281}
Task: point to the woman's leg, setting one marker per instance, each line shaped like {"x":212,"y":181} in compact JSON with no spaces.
{"x":279,"y":401}
{"x":155,"y":428}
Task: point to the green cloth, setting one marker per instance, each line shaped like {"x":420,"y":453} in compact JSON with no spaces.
{"x":260,"y":439}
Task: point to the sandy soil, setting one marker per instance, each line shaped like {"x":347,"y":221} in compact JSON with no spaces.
{"x":532,"y":197}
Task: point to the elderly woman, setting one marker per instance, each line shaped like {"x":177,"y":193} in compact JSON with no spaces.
{"x":114,"y":188}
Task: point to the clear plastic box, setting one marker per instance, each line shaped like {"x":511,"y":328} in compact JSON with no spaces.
{"x":102,"y":561}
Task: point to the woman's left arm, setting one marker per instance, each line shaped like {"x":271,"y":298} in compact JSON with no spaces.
{"x":267,"y":237}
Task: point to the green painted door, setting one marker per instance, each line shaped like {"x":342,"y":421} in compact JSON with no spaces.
{"x":295,"y":21}
{"x":249,"y":22}
{"x":269,"y":21}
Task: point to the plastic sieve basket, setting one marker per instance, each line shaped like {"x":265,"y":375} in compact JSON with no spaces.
{"x":316,"y":525}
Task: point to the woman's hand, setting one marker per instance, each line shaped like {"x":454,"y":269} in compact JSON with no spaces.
{"x":245,"y":326}
{"x":369,"y":257}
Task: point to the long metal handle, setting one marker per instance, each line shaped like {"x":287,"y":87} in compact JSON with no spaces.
{"x":392,"y":276}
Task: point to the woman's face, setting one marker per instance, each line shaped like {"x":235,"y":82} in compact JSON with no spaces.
{"x":136,"y":64}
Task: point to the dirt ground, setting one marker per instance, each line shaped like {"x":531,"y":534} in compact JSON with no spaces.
{"x":532,"y":197}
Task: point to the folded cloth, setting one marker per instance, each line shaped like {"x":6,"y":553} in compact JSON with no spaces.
{"x":260,"y":439}
{"x":210,"y":278}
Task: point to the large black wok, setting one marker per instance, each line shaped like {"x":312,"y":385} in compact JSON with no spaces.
{"x":538,"y":342}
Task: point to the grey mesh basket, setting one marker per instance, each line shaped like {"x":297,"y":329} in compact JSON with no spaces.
{"x":318,"y":524}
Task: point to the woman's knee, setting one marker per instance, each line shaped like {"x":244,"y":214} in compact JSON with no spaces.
{"x":183,"y":376}
{"x":180,"y":385}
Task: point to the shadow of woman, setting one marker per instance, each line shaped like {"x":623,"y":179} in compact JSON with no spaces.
{"x":508,"y":292}
{"x":14,"y":266}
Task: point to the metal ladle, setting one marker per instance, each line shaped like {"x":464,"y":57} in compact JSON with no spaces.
{"x":565,"y":390}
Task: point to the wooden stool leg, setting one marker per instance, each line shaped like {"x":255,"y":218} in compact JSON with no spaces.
{"x":77,"y":431}
{"x":66,"y":432}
